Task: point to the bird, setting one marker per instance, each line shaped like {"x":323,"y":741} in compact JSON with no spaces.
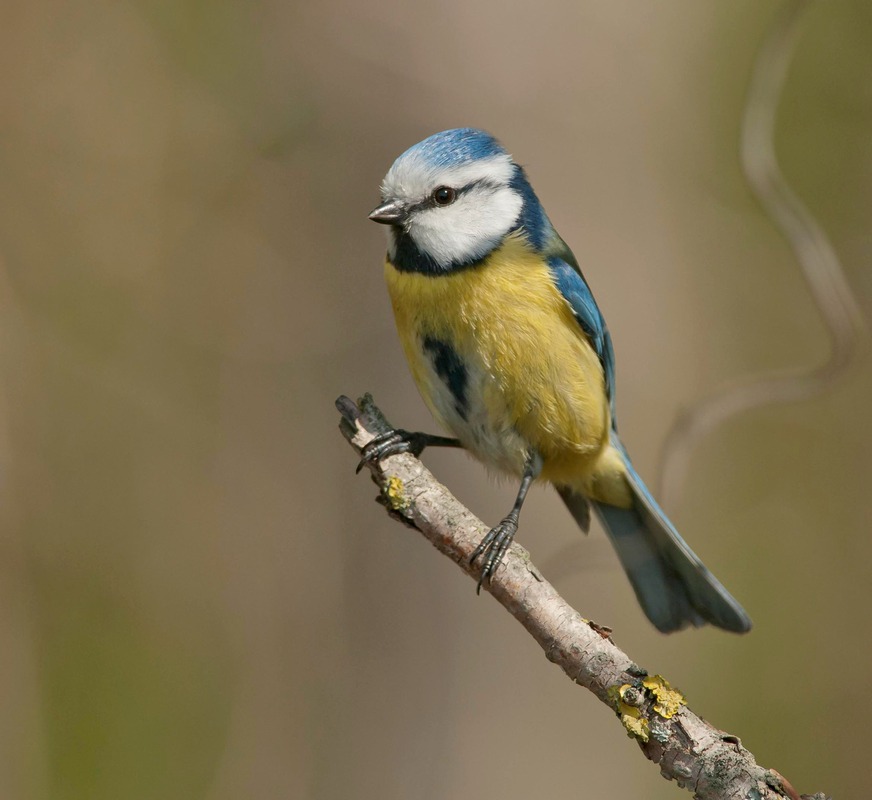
{"x":512,"y":356}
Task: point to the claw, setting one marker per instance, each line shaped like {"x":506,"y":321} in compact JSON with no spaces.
{"x":388,"y":444}
{"x":401,"y":441}
{"x":494,"y":547}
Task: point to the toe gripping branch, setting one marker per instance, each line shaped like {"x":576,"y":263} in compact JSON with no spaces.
{"x":494,"y":546}
{"x":498,"y":539}
{"x":390,"y":441}
{"x":496,"y":542}
{"x":401,"y":441}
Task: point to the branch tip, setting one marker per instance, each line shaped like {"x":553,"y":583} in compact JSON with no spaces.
{"x":688,"y":750}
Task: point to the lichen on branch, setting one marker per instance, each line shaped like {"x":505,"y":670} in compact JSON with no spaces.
{"x":708,"y":762}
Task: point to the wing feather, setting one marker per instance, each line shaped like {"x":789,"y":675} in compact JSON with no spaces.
{"x":571,"y":284}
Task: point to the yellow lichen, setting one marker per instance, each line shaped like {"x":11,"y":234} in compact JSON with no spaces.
{"x":631,"y":717}
{"x":614,"y":693}
{"x":635,"y":723}
{"x":394,"y":494}
{"x":667,"y":699}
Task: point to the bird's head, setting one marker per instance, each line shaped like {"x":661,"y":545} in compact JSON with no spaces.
{"x":451,"y":200}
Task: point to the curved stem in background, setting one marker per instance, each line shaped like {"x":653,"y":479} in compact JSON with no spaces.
{"x":820,"y":264}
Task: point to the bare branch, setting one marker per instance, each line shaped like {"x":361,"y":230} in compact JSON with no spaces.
{"x":689,"y":750}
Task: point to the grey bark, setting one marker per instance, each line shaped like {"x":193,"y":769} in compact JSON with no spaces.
{"x":706,"y":761}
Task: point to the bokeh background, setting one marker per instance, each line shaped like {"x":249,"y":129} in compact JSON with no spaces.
{"x":198,"y":597}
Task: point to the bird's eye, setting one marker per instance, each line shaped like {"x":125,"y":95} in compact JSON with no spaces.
{"x":444,"y":196}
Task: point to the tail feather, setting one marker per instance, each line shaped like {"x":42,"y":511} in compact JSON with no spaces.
{"x":578,"y":506}
{"x":672,"y":585}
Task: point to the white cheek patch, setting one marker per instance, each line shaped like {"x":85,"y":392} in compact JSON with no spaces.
{"x":469,"y":228}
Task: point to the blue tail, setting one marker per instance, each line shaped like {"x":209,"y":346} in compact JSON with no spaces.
{"x":672,"y":585}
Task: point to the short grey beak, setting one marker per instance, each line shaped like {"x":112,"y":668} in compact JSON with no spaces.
{"x":391,"y":213}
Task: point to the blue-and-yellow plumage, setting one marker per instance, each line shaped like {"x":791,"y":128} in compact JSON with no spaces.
{"x":530,"y":376}
{"x":510,"y":352}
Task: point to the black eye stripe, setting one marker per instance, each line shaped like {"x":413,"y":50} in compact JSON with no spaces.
{"x":482,"y":183}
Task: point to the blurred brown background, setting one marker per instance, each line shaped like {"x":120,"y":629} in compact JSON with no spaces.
{"x":199,"y":599}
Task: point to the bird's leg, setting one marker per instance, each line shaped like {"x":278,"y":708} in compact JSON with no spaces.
{"x":498,"y":539}
{"x":401,"y":441}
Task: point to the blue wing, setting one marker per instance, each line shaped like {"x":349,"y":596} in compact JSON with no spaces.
{"x":572,"y":285}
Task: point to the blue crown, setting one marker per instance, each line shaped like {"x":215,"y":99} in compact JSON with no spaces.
{"x":457,"y":146}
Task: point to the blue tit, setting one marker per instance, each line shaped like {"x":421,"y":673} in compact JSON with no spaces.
{"x":512,"y":356}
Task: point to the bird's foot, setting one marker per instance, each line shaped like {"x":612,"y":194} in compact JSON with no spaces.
{"x":390,"y":444}
{"x":494,"y":547}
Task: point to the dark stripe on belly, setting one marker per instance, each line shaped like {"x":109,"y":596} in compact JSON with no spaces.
{"x":450,"y":369}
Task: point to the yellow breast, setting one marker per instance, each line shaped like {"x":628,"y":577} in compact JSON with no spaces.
{"x":533,"y":374}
